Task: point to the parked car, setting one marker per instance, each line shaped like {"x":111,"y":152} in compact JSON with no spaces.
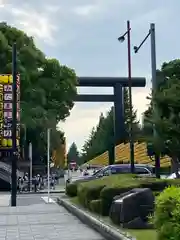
{"x":141,"y":169}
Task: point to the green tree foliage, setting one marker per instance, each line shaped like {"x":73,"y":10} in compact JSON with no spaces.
{"x":103,"y":135}
{"x":167,"y":100}
{"x":47,"y":87}
{"x":167,"y":214}
{"x":147,"y":125}
{"x":73,"y":154}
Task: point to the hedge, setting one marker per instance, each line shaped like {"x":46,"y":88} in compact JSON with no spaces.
{"x":96,"y":206}
{"x":86,"y":193}
{"x":71,"y":189}
{"x":109,"y":192}
{"x":106,"y":188}
{"x":167,"y":214}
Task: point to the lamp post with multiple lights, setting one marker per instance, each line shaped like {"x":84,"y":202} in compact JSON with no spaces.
{"x":151,"y":33}
{"x":131,"y":140}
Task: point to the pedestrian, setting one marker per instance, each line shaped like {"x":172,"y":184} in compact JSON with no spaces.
{"x":52,"y":183}
{"x":35,"y":183}
{"x":21,"y":183}
{"x":18,"y":184}
{"x":38,"y":181}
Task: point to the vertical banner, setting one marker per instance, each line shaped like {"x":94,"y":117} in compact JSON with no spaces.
{"x":6,"y":111}
{"x":18,"y":110}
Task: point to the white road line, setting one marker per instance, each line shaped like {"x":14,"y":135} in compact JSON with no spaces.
{"x":46,"y":200}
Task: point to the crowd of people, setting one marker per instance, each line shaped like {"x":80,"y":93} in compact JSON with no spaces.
{"x":37,"y":183}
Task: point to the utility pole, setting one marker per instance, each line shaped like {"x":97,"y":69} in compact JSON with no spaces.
{"x":130,"y":98}
{"x":14,"y":128}
{"x":154,"y":89}
{"x":30,"y":164}
{"x":48,"y":161}
{"x":131,"y":137}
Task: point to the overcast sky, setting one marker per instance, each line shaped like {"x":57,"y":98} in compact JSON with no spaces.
{"x":83,"y":35}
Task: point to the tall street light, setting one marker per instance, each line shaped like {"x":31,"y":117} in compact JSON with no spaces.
{"x":48,"y":161}
{"x":14,"y":129}
{"x":131,"y":140}
{"x":151,"y":33}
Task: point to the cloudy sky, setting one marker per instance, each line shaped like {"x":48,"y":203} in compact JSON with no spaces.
{"x":83,"y":35}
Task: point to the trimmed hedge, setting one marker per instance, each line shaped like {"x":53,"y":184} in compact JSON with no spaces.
{"x":71,"y":189}
{"x":106,"y":188}
{"x":96,"y":206}
{"x":167,"y":214}
{"x":109,"y":192}
{"x":86,"y":193}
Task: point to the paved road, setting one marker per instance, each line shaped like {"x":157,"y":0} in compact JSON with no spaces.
{"x":30,"y":199}
{"x":26,"y":199}
{"x":42,"y":221}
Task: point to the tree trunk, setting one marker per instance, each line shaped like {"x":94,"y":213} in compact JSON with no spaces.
{"x":175,"y":166}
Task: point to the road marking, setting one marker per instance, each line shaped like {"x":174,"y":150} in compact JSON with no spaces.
{"x":50,"y":200}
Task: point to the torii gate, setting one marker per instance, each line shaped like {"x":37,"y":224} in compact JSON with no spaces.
{"x":118,"y":83}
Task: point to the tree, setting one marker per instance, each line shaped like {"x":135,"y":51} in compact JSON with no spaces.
{"x":59,"y":154}
{"x":73,"y":154}
{"x":147,"y":125}
{"x":47,"y":88}
{"x":103,"y":135}
{"x":167,"y":100}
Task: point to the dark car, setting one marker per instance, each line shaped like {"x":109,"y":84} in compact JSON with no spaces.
{"x":140,"y":169}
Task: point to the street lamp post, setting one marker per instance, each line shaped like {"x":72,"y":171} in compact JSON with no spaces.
{"x":131,"y":140}
{"x":48,"y":161}
{"x":151,"y":33}
{"x":14,"y":129}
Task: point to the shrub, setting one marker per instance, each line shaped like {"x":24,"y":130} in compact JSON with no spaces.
{"x":107,"y":188}
{"x":173,"y":182}
{"x":156,"y":193}
{"x":87,"y":193}
{"x":71,"y":189}
{"x":109,"y":192}
{"x":95,"y":206}
{"x":154,"y":184}
{"x":167,"y":214}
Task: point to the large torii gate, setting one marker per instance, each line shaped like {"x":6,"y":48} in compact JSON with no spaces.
{"x":118,"y":83}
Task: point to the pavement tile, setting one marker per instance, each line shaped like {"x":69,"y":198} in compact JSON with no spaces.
{"x":42,"y":222}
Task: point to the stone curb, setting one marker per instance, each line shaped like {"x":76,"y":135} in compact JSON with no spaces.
{"x":106,"y":231}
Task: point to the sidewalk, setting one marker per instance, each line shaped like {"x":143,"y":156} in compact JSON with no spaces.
{"x":42,"y":221}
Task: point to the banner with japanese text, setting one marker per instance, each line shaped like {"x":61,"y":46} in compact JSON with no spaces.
{"x":6,"y":111}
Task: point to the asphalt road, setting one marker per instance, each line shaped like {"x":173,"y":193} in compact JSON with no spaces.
{"x":30,"y":199}
{"x":35,"y":198}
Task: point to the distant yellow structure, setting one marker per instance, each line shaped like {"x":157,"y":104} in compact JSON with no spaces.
{"x":122,"y":155}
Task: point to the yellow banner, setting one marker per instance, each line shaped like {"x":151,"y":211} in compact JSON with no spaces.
{"x":6,"y":108}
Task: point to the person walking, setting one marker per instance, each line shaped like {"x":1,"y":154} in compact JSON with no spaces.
{"x":21,"y":183}
{"x":52,"y":183}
